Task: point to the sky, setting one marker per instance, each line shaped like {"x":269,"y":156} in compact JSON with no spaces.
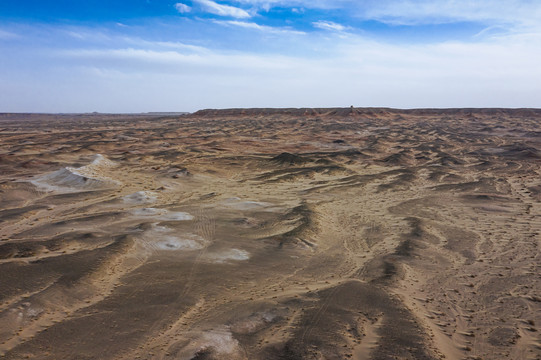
{"x":162,"y":55}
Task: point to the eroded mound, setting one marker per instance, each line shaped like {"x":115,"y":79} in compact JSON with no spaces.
{"x":93,"y":176}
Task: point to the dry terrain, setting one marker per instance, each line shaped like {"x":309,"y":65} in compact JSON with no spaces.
{"x":271,"y":234}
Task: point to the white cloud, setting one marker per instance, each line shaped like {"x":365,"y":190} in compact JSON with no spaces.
{"x":153,"y":45}
{"x":182,"y":8}
{"x":499,"y":73}
{"x":411,"y":12}
{"x":262,"y":28}
{"x":223,"y":10}
{"x":309,"y":4}
{"x":118,"y":39}
{"x":105,"y":72}
{"x":150,"y":60}
{"x":329,"y":25}
{"x":141,"y":55}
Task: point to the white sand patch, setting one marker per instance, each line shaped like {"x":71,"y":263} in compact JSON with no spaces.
{"x":140,"y":197}
{"x":249,"y":205}
{"x":178,"y":216}
{"x":88,"y":177}
{"x":229,"y":255}
{"x":218,"y":342}
{"x":163,"y":238}
{"x":176,"y":243}
{"x":33,"y":312}
{"x":221,"y":341}
{"x":253,"y":323}
{"x":162,"y":214}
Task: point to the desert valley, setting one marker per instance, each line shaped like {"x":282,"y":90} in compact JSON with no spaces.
{"x":348,"y":233}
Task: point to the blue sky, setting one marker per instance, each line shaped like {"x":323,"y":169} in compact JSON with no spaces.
{"x":161,"y":55}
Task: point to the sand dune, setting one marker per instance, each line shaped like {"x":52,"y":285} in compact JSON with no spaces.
{"x":271,"y":234}
{"x":89,"y":177}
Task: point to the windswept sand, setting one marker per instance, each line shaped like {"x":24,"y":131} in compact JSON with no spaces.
{"x":271,"y":234}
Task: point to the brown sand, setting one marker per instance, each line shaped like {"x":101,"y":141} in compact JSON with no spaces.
{"x":271,"y":234}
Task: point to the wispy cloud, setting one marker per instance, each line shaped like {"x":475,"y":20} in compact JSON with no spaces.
{"x":329,"y":25}
{"x":7,"y":35}
{"x":262,"y":28}
{"x":175,"y":45}
{"x":444,"y":11}
{"x":355,"y":71}
{"x":146,"y":60}
{"x":223,"y":10}
{"x":182,"y":8}
{"x":309,"y":4}
{"x":142,"y":55}
{"x":494,"y":30}
{"x":412,"y":12}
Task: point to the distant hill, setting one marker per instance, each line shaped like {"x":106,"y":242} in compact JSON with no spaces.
{"x":362,"y":111}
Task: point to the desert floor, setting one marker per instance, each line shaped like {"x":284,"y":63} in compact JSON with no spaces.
{"x":271,"y":234}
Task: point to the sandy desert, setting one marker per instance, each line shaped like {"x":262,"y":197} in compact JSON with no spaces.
{"x":348,"y":233}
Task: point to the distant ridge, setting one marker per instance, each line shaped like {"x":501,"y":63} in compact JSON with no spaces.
{"x":86,"y":116}
{"x":373,"y":112}
{"x":362,"y":111}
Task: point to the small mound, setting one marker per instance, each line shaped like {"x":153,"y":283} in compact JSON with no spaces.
{"x":448,"y":160}
{"x":140,"y":197}
{"x":521,"y":152}
{"x":88,"y":177}
{"x":400,"y":158}
{"x":160,"y":238}
{"x":535,"y":192}
{"x":286,"y":158}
